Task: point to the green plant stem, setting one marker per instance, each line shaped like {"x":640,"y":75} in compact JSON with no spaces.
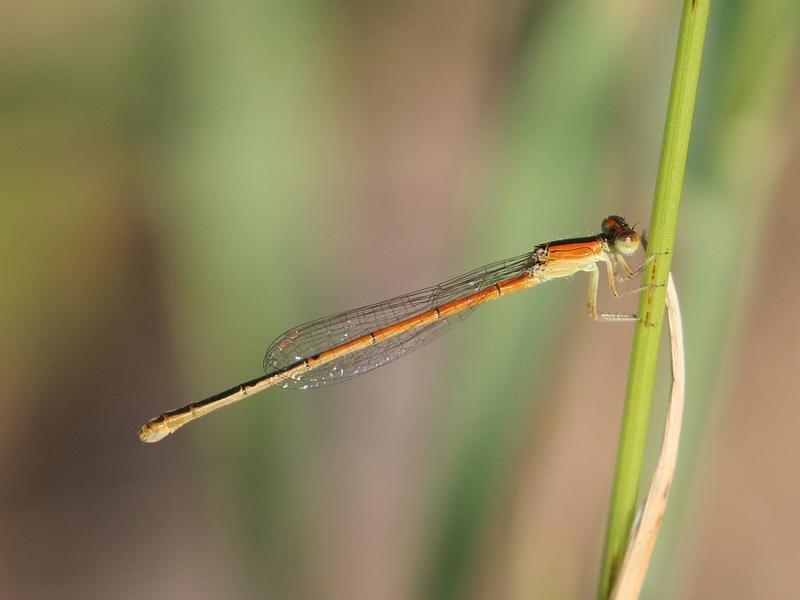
{"x":663,"y":222}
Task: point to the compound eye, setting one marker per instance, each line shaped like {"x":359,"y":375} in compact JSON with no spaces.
{"x":612,"y":224}
{"x":626,"y":242}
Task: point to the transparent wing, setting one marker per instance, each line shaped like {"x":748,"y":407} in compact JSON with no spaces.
{"x":326,"y":333}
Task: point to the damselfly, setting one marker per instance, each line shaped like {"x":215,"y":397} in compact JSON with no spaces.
{"x":354,"y":342}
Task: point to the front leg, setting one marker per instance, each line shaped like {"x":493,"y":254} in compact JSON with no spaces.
{"x":631,"y":273}
{"x":594,"y":280}
{"x":612,"y":281}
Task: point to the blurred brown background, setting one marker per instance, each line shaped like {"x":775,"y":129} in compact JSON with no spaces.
{"x":183,"y":181}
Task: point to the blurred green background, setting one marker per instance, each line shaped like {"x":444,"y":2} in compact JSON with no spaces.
{"x":181,"y":182}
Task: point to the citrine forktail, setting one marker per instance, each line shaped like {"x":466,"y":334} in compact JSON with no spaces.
{"x":352,"y":343}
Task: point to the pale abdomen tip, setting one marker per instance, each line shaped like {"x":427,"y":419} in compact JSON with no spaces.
{"x":154,"y":430}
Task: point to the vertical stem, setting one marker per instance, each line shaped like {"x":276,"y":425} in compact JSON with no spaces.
{"x":663,"y":222}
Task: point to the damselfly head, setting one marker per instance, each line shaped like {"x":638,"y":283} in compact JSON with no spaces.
{"x":620,"y":235}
